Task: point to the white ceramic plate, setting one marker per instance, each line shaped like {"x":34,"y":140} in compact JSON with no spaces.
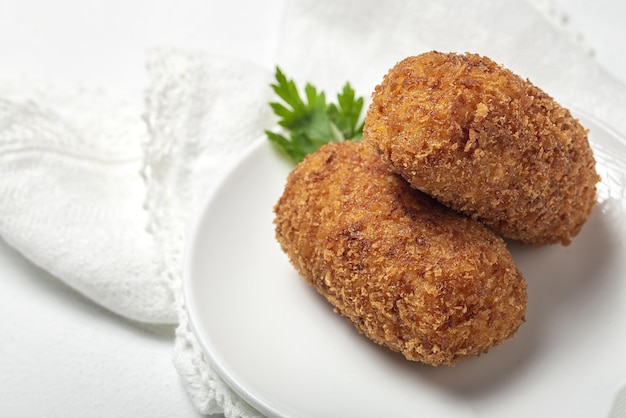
{"x":281,"y":347}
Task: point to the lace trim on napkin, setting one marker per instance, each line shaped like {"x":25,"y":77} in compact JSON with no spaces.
{"x":201,"y":114}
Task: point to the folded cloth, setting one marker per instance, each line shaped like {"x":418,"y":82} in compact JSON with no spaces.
{"x":101,"y":190}
{"x":201,"y":114}
{"x":72,"y":195}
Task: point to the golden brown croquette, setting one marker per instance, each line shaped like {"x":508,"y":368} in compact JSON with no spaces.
{"x":487,"y":143}
{"x":408,"y":272}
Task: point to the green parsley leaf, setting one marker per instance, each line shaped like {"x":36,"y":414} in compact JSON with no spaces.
{"x":310,"y":123}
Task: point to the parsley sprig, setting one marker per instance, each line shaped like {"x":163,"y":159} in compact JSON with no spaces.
{"x":310,"y":123}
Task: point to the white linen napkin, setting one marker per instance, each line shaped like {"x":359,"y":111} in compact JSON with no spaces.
{"x":71,"y":194}
{"x":101,"y":190}
{"x":201,"y":113}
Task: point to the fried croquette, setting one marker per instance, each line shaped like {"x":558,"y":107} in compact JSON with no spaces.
{"x":487,"y":143}
{"x":406,"y":271}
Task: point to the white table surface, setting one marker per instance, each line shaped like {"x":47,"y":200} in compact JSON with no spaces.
{"x":62,"y":355}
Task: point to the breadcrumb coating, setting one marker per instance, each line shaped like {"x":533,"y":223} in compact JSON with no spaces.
{"x":406,"y":271}
{"x":487,"y":143}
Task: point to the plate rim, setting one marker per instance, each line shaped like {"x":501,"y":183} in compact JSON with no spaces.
{"x":234,"y":385}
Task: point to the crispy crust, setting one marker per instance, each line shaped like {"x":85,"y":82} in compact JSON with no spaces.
{"x":485,"y":142}
{"x":409,"y":273}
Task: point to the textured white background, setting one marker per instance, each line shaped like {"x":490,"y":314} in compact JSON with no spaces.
{"x":60,"y":354}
